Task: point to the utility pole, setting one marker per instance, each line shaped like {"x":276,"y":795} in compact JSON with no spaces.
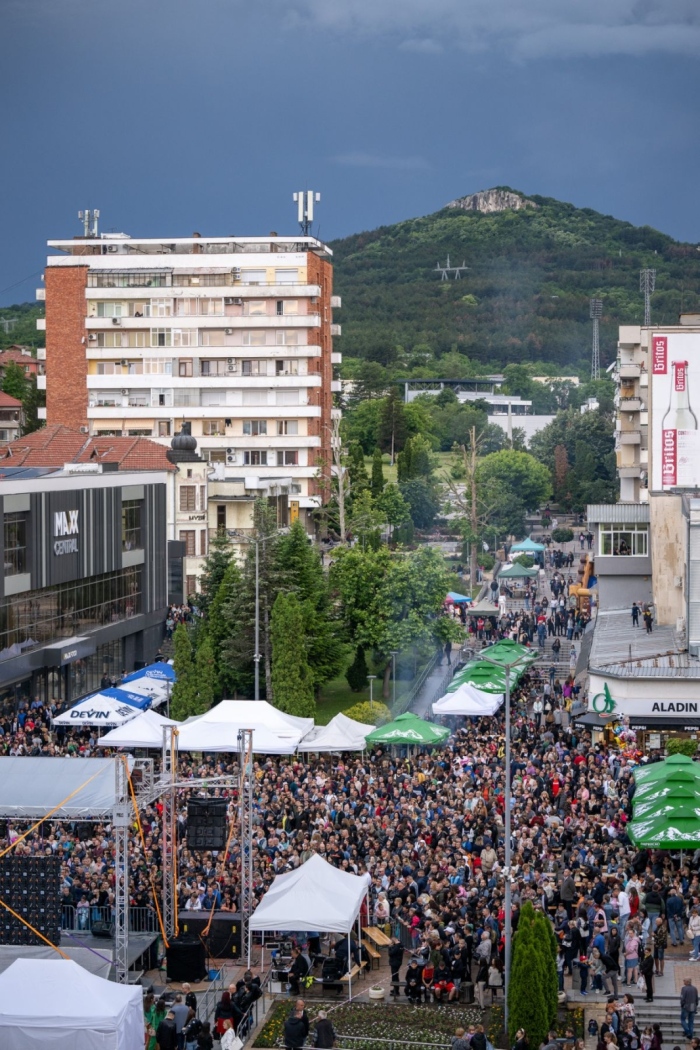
{"x":596,"y":311}
{"x":647,"y":284}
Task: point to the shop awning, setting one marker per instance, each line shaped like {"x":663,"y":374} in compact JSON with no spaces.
{"x":683,"y":725}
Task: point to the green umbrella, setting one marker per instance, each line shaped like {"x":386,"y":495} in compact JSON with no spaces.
{"x":666,"y":800}
{"x":409,"y":729}
{"x":483,"y":676}
{"x":517,"y":570}
{"x":660,"y":787}
{"x":661,"y":770}
{"x":677,"y":830}
{"x":507,"y":652}
{"x":528,"y":546}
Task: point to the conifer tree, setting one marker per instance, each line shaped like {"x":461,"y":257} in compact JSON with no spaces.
{"x":356,"y":673}
{"x":292,"y":682}
{"x":528,"y":1000}
{"x":183,"y":701}
{"x":205,"y":678}
{"x":377,"y":485}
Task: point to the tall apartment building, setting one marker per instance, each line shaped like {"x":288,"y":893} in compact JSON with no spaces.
{"x":231,"y":335}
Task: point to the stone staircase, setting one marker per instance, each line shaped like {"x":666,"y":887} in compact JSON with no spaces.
{"x":664,"y":1011}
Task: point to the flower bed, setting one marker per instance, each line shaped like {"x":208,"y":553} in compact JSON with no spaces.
{"x":370,"y":1022}
{"x":565,"y":1019}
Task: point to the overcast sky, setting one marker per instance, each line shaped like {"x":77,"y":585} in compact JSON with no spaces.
{"x":180,"y":115}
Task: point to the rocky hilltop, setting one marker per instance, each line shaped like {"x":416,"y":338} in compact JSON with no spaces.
{"x":489,"y":201}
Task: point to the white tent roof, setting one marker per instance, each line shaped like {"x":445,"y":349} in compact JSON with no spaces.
{"x":30,"y":787}
{"x":146,"y":730}
{"x":274,"y":732}
{"x":468,"y":701}
{"x":223,"y":736}
{"x":98,"y":710}
{"x":156,"y":688}
{"x":341,"y":734}
{"x":57,"y":1004}
{"x":159,"y":671}
{"x":315,"y":896}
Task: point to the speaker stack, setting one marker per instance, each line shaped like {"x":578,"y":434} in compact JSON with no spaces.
{"x":186,"y":960}
{"x":31,"y":887}
{"x":206,"y":823}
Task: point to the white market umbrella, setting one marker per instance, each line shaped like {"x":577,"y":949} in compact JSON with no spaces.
{"x":98,"y":710}
{"x":468,"y":701}
{"x":146,"y":730}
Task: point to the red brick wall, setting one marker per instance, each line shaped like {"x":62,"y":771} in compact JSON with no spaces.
{"x":66,"y":363}
{"x":320,"y":271}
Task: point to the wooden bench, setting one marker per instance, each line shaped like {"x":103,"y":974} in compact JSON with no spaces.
{"x":347,"y":977}
{"x":374,"y":955}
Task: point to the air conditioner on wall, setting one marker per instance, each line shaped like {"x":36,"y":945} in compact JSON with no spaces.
{"x":237,"y":302}
{"x":229,"y":331}
{"x":230,"y":458}
{"x":92,"y":338}
{"x":116,"y":320}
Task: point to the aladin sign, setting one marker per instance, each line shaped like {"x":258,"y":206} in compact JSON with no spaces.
{"x":65,"y":523}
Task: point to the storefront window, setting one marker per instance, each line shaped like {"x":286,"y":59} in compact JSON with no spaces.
{"x":15,"y":541}
{"x":131,"y":524}
{"x":30,"y":620}
{"x":621,"y":540}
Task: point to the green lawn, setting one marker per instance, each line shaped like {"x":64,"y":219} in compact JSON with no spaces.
{"x":444,"y":461}
{"x":337,"y":695}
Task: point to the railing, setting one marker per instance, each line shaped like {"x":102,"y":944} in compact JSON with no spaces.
{"x":355,"y":1042}
{"x":404,"y":702}
{"x":82,"y":920}
{"x":207,"y":1001}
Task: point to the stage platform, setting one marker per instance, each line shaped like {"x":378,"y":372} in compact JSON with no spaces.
{"x":95,"y":954}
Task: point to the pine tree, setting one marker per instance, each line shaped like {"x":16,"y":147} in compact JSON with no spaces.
{"x":357,"y":471}
{"x":393,"y":428}
{"x":292,"y":682}
{"x":205,"y":677}
{"x":183,"y":701}
{"x":547,"y":946}
{"x":219,"y":625}
{"x":356,"y":673}
{"x":378,"y":482}
{"x":215,"y":565}
{"x":528,"y":1002}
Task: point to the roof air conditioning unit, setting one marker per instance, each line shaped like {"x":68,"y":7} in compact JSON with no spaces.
{"x":85,"y":430}
{"x":229,"y":331}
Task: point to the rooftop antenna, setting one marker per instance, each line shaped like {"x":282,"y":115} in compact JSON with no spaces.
{"x":305,"y":200}
{"x":89,"y":221}
{"x":596,"y":311}
{"x":447,"y":269}
{"x":647,"y":284}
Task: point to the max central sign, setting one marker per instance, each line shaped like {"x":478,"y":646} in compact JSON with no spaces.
{"x":65,"y":523}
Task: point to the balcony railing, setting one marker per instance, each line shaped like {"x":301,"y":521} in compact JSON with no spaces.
{"x":82,"y":919}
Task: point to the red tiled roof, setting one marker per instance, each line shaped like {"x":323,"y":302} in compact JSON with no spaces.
{"x":6,"y":401}
{"x":55,"y":445}
{"x":11,"y":354}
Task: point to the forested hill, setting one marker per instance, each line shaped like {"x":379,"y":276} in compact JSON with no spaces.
{"x":532,"y":270}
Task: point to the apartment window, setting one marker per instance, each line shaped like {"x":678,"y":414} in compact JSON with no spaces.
{"x":128,"y":280}
{"x":15,"y":541}
{"x":163,"y":428}
{"x":185,"y":337}
{"x":184,"y":367}
{"x":254,"y":397}
{"x":186,"y":398}
{"x":203,"y":542}
{"x":131,"y":524}
{"x":202,"y":280}
{"x":286,"y":276}
{"x":623,"y":540}
{"x":161,"y":307}
{"x":140,"y":432}
{"x":283,"y":337}
{"x":255,"y":458}
{"x":287,"y":427}
{"x":211,"y":307}
{"x":288,"y":397}
{"x":213,"y":428}
{"x":104,"y":368}
{"x":110,"y":309}
{"x":221,"y":516}
{"x":188,"y":497}
{"x":286,"y":368}
{"x":255,"y":367}
{"x":253,"y":276}
{"x":255,"y":308}
{"x":290,"y":306}
{"x":254,"y":427}
{"x":213,"y":337}
{"x":161,"y":337}
{"x":154,"y":366}
{"x":254,"y":338}
{"x":188,"y":537}
{"x":288,"y":458}
{"x":186,"y":307}
{"x":190,"y":586}
{"x":217,"y":367}
{"x":214,"y":455}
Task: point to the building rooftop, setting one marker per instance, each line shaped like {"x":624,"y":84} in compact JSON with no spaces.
{"x":623,"y":651}
{"x":114,"y":246}
{"x":618,"y":513}
{"x":56,"y":445}
{"x":6,"y":401}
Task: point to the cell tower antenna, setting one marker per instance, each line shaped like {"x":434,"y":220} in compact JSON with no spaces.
{"x":89,"y":221}
{"x":596,"y":311}
{"x":305,"y":200}
{"x":647,"y":284}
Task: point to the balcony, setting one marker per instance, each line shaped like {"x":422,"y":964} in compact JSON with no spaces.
{"x":629,"y":472}
{"x":336,"y":359}
{"x":212,"y":291}
{"x":630,"y":437}
{"x":631,"y":404}
{"x":336,"y":386}
{"x":630,"y":371}
{"x":336,"y":329}
{"x":41,"y":353}
{"x":41,"y":382}
{"x":336,"y":302}
{"x":41,"y":295}
{"x":41,"y":324}
{"x":133,"y":324}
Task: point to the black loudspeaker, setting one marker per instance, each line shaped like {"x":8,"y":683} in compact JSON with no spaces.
{"x":101,"y":929}
{"x":186,"y":960}
{"x":31,"y":886}
{"x":206,"y":823}
{"x":223,"y":941}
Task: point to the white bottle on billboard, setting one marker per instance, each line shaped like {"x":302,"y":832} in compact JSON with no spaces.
{"x":679,"y":433}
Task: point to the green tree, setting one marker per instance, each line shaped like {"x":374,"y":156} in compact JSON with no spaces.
{"x":361,"y":424}
{"x":34,"y":400}
{"x":215,"y":564}
{"x":377,"y":484}
{"x":183,"y":701}
{"x":423,"y":502}
{"x":528,"y":999}
{"x":579,"y":452}
{"x":292,"y":681}
{"x":357,"y":672}
{"x":393,"y":507}
{"x":219,"y":624}
{"x":14,"y":382}
{"x":546,"y":942}
{"x":377,"y":714}
{"x":393,"y":429}
{"x":357,"y":470}
{"x":366,"y":520}
{"x":206,"y":677}
{"x":521,"y":473}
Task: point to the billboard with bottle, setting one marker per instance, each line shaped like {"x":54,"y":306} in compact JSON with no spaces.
{"x":675,"y":395}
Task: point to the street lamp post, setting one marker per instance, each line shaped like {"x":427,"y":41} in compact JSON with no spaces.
{"x":507,"y":833}
{"x":371,"y":678}
{"x":394,"y":654}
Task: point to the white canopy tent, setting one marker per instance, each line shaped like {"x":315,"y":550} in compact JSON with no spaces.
{"x":57,"y":1004}
{"x":274,"y":732}
{"x":468,"y":701}
{"x":315,"y":897}
{"x":341,"y":734}
{"x":154,"y":688}
{"x":99,"y":710}
{"x":146,"y":730}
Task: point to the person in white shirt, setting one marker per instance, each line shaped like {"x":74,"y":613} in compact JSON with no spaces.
{"x":623,"y":904}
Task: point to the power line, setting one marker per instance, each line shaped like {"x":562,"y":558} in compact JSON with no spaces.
{"x":17,"y":283}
